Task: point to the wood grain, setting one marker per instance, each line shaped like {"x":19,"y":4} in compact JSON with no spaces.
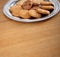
{"x":41,"y":39}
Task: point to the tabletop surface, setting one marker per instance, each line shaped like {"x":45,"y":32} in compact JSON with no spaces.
{"x":40,"y":39}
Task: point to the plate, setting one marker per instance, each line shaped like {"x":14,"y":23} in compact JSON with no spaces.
{"x":12,"y":2}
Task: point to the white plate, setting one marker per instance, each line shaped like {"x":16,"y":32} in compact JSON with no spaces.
{"x":12,"y":2}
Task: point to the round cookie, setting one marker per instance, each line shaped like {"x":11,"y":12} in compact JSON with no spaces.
{"x":33,"y":13}
{"x":24,"y":14}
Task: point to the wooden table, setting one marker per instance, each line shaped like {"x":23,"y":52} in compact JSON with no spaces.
{"x":41,"y":39}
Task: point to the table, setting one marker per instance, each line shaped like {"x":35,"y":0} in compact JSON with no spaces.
{"x":40,"y":39}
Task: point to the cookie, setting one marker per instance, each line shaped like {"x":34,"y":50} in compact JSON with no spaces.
{"x":33,"y":13}
{"x":24,"y":14}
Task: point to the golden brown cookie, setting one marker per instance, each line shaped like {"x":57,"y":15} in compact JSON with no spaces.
{"x":46,"y":3}
{"x":42,"y":11}
{"x":36,"y":1}
{"x":33,"y":13}
{"x":19,"y":3}
{"x":15,"y":10}
{"x":24,"y":14}
{"x":47,"y":7}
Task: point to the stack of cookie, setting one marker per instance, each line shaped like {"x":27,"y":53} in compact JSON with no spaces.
{"x":27,"y":9}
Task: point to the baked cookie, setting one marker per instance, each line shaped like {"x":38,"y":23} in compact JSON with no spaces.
{"x":33,"y":13}
{"x":15,"y":10}
{"x":24,"y":14}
